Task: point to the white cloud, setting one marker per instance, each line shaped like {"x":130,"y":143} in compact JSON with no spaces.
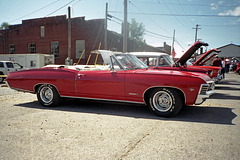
{"x":214,"y":6}
{"x":235,"y":12}
{"x":220,"y":2}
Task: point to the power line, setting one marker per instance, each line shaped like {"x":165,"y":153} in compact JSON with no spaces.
{"x":34,"y":11}
{"x":150,"y":19}
{"x":60,"y":8}
{"x":32,"y":22}
{"x":182,"y":15}
{"x":186,"y":4}
{"x":158,"y":34}
{"x":181,"y":22}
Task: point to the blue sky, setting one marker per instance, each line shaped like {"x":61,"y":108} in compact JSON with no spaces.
{"x":219,"y":20}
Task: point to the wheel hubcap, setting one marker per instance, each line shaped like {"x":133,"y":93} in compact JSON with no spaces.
{"x":46,"y":94}
{"x":162,"y":101}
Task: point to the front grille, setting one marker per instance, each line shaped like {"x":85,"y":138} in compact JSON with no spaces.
{"x":207,"y":87}
{"x":204,"y":89}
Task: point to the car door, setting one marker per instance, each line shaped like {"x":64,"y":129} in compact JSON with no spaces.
{"x":101,"y":84}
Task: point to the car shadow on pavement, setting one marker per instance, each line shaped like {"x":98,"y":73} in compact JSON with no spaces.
{"x":230,"y":82}
{"x":206,"y":114}
{"x":226,"y":88}
{"x":215,"y":115}
{"x":225,"y":96}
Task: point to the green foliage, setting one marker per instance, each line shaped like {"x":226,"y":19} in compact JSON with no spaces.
{"x":4,"y":26}
{"x":136,"y":30}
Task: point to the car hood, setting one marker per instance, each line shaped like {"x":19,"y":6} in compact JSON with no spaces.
{"x":203,"y":62}
{"x":187,"y":55}
{"x":202,"y":76}
{"x":205,"y":55}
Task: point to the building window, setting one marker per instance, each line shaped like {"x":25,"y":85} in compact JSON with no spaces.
{"x":11,"y":48}
{"x":42,"y":31}
{"x":31,"y":47}
{"x":55,"y":49}
{"x":33,"y":63}
{"x":80,"y":47}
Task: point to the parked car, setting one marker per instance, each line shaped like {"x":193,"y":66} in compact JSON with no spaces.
{"x":237,"y":65}
{"x":162,"y":61}
{"x":216,"y":75}
{"x":6,"y":67}
{"x":122,"y":78}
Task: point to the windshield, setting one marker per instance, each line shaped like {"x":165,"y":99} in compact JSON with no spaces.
{"x":165,"y":60}
{"x":130,"y":62}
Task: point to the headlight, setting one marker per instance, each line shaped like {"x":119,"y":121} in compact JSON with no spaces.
{"x":211,"y":72}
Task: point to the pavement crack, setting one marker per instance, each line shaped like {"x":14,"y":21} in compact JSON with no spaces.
{"x":134,"y":145}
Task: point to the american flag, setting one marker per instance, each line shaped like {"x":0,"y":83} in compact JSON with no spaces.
{"x":173,"y":53}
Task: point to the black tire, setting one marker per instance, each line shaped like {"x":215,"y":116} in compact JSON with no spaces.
{"x":165,"y":102}
{"x":48,"y":96}
{"x":1,"y":78}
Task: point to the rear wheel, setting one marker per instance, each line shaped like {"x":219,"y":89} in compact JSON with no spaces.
{"x":48,"y":95}
{"x":165,"y":102}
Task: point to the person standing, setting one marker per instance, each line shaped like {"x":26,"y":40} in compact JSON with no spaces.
{"x":223,"y":67}
{"x":217,"y":62}
{"x":227,"y":65}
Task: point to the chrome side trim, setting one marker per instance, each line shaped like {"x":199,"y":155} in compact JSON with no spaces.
{"x":110,"y":100}
{"x":22,"y":90}
{"x":44,"y":84}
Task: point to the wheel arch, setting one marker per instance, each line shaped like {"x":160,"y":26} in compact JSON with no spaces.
{"x":36,"y":87}
{"x":149,"y":90}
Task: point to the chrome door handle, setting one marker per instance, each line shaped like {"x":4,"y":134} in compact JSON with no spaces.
{"x":80,"y":75}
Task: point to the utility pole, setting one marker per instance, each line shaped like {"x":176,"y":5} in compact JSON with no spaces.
{"x":173,"y":41}
{"x":125,"y":36}
{"x":197,"y":27}
{"x":105,"y":27}
{"x":68,"y":60}
{"x":196,"y":31}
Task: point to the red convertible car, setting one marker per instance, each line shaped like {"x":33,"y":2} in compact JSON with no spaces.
{"x":122,"y":78}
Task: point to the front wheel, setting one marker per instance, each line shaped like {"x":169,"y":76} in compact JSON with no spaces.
{"x":1,"y":78}
{"x":165,"y":102}
{"x":48,"y":95}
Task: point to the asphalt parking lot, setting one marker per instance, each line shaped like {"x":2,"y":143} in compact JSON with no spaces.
{"x":96,"y":130}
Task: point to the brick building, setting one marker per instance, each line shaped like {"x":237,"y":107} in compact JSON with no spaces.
{"x":50,"y":36}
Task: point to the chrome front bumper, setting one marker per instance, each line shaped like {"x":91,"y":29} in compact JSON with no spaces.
{"x":218,"y":79}
{"x":201,"y":98}
{"x":205,"y":91}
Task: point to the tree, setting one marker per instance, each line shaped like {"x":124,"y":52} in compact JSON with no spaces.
{"x":4,"y":26}
{"x":136,"y":30}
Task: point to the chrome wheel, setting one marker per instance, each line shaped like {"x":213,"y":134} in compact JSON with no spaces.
{"x":162,"y":101}
{"x":46,"y":94}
